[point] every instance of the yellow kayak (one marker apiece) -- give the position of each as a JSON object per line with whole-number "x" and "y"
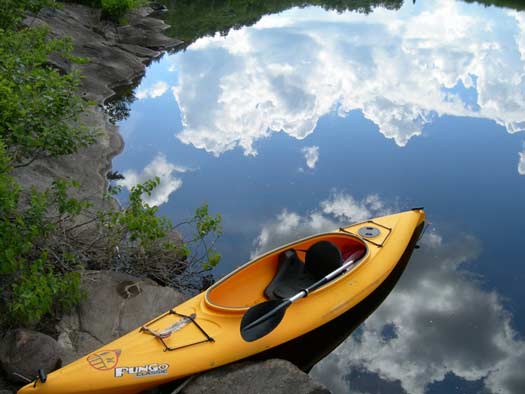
{"x": 269, "y": 301}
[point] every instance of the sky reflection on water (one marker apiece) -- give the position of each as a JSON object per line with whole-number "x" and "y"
{"x": 400, "y": 68}
{"x": 311, "y": 119}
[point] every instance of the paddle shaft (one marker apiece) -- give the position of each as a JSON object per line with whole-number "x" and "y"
{"x": 303, "y": 293}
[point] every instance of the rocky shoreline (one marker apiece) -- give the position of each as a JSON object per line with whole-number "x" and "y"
{"x": 116, "y": 303}
{"x": 117, "y": 56}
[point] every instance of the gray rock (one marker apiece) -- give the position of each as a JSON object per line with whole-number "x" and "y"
{"x": 76, "y": 345}
{"x": 158, "y": 7}
{"x": 146, "y": 33}
{"x": 268, "y": 377}
{"x": 116, "y": 55}
{"x": 137, "y": 50}
{"x": 110, "y": 62}
{"x": 151, "y": 302}
{"x": 116, "y": 303}
{"x": 88, "y": 166}
{"x": 23, "y": 352}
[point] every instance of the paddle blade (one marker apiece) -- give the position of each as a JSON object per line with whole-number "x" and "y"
{"x": 251, "y": 332}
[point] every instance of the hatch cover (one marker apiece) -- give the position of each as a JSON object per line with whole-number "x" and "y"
{"x": 369, "y": 232}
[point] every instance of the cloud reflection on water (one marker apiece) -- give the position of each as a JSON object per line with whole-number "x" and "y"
{"x": 158, "y": 167}
{"x": 444, "y": 323}
{"x": 400, "y": 69}
{"x": 521, "y": 163}
{"x": 311, "y": 155}
{"x": 154, "y": 91}
{"x": 439, "y": 318}
{"x": 290, "y": 226}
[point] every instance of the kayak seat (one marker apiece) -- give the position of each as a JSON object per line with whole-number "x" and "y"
{"x": 292, "y": 275}
{"x": 290, "y": 278}
{"x": 322, "y": 258}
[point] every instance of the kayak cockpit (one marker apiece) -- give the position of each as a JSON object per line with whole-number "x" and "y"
{"x": 283, "y": 272}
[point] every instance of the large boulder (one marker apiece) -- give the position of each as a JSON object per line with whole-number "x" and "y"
{"x": 116, "y": 303}
{"x": 145, "y": 31}
{"x": 24, "y": 352}
{"x": 268, "y": 377}
{"x": 117, "y": 54}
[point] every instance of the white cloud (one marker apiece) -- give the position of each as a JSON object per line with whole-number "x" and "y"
{"x": 520, "y": 36}
{"x": 154, "y": 91}
{"x": 311, "y": 155}
{"x": 444, "y": 322}
{"x": 346, "y": 207}
{"x": 290, "y": 69}
{"x": 160, "y": 167}
{"x": 338, "y": 209}
{"x": 521, "y": 163}
{"x": 289, "y": 226}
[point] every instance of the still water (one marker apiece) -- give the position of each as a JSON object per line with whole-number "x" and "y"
{"x": 303, "y": 119}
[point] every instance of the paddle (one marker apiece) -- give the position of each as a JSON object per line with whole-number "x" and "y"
{"x": 261, "y": 319}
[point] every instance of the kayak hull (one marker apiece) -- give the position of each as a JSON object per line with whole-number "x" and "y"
{"x": 140, "y": 360}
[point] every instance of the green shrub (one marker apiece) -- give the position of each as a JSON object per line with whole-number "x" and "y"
{"x": 39, "y": 106}
{"x": 33, "y": 283}
{"x": 140, "y": 242}
{"x": 43, "y": 248}
{"x": 39, "y": 290}
{"x": 112, "y": 9}
{"x": 12, "y": 11}
{"x": 116, "y": 9}
{"x": 136, "y": 225}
